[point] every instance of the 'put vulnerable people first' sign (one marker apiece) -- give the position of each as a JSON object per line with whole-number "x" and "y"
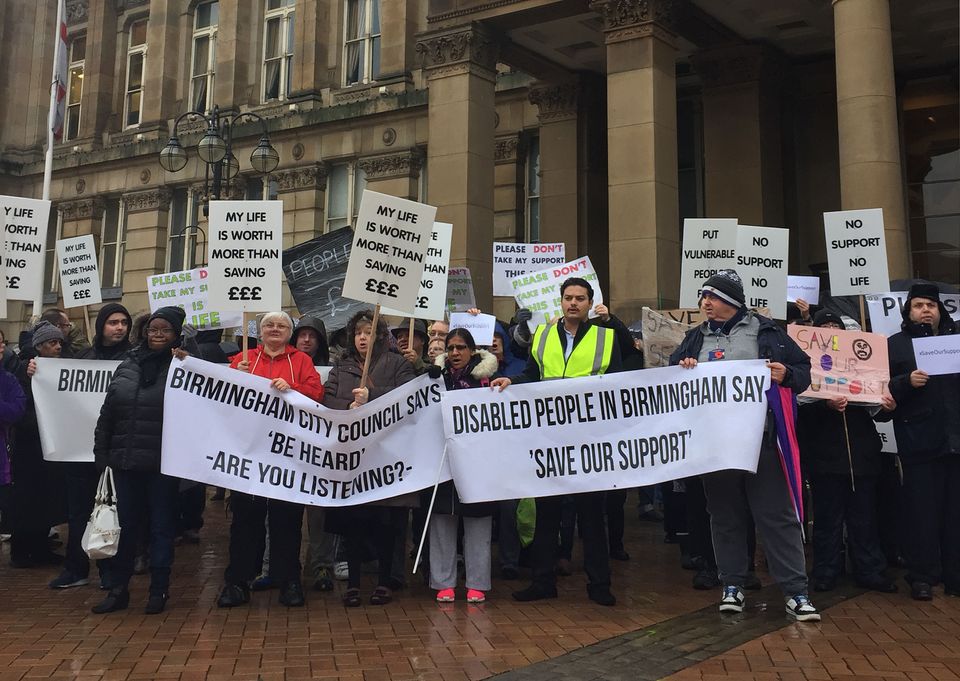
{"x": 79, "y": 274}
{"x": 709, "y": 245}
{"x": 856, "y": 252}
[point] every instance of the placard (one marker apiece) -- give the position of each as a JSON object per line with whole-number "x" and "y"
{"x": 480, "y": 326}
{"x": 388, "y": 253}
{"x": 460, "y": 296}
{"x": 856, "y": 252}
{"x": 188, "y": 290}
{"x": 510, "y": 260}
{"x": 888, "y": 437}
{"x": 938, "y": 355}
{"x": 79, "y": 274}
{"x": 243, "y": 262}
{"x": 805, "y": 288}
{"x": 851, "y": 364}
{"x": 709, "y": 245}
{"x": 884, "y": 310}
{"x": 25, "y": 241}
{"x": 432, "y": 296}
{"x": 539, "y": 292}
{"x": 762, "y": 255}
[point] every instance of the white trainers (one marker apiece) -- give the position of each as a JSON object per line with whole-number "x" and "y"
{"x": 340, "y": 571}
{"x": 733, "y": 599}
{"x": 802, "y": 609}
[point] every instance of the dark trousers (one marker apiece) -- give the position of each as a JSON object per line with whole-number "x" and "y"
{"x": 836, "y": 504}
{"x": 615, "y": 499}
{"x": 144, "y": 498}
{"x": 191, "y": 503}
{"x": 508, "y": 537}
{"x": 932, "y": 507}
{"x": 568, "y": 526}
{"x": 590, "y": 511}
{"x": 284, "y": 521}
{"x": 81, "y": 481}
{"x": 382, "y": 525}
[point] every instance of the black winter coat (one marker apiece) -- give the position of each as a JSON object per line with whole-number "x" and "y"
{"x": 823, "y": 444}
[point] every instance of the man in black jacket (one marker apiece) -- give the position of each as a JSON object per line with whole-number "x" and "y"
{"x": 927, "y": 425}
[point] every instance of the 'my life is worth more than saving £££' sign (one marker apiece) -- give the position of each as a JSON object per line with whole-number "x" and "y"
{"x": 25, "y": 237}
{"x": 79, "y": 274}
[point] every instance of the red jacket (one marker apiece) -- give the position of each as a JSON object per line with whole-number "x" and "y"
{"x": 293, "y": 366}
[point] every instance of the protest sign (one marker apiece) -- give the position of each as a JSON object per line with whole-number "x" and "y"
{"x": 851, "y": 364}
{"x": 762, "y": 255}
{"x": 243, "y": 263}
{"x": 460, "y": 296}
{"x": 709, "y": 245}
{"x": 480, "y": 326}
{"x": 235, "y": 431}
{"x": 621, "y": 430}
{"x": 432, "y": 296}
{"x": 539, "y": 291}
{"x": 805, "y": 288}
{"x": 661, "y": 336}
{"x": 187, "y": 290}
{"x": 79, "y": 274}
{"x": 938, "y": 355}
{"x": 510, "y": 260}
{"x": 888, "y": 438}
{"x": 884, "y": 310}
{"x": 68, "y": 394}
{"x": 856, "y": 252}
{"x": 388, "y": 252}
{"x": 25, "y": 242}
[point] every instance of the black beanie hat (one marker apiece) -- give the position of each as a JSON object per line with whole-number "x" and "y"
{"x": 174, "y": 315}
{"x": 826, "y": 316}
{"x": 726, "y": 285}
{"x": 923, "y": 289}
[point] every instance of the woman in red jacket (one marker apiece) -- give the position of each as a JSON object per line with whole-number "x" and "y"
{"x": 288, "y": 369}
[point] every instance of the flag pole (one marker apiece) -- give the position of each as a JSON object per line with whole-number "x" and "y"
{"x": 51, "y": 120}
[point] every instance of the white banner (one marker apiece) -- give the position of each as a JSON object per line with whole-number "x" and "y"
{"x": 246, "y": 238}
{"x": 709, "y": 245}
{"x": 510, "y": 260}
{"x": 227, "y": 428}
{"x": 188, "y": 290}
{"x": 805, "y": 288}
{"x": 432, "y": 296}
{"x": 884, "y": 310}
{"x": 616, "y": 431}
{"x": 68, "y": 394}
{"x": 79, "y": 274}
{"x": 856, "y": 252}
{"x": 762, "y": 256}
{"x": 25, "y": 241}
{"x": 539, "y": 292}
{"x": 460, "y": 296}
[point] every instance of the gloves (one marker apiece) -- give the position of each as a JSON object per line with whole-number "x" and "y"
{"x": 189, "y": 331}
{"x": 521, "y": 332}
{"x": 433, "y": 371}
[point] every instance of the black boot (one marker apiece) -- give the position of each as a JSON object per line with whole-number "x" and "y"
{"x": 233, "y": 595}
{"x": 291, "y": 594}
{"x": 155, "y": 604}
{"x": 118, "y": 598}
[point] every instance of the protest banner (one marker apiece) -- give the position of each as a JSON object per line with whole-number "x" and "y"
{"x": 79, "y": 274}
{"x": 460, "y": 296}
{"x": 480, "y": 326}
{"x": 243, "y": 262}
{"x": 856, "y": 252}
{"x": 709, "y": 245}
{"x": 805, "y": 288}
{"x": 884, "y": 310}
{"x": 938, "y": 355}
{"x": 187, "y": 290}
{"x": 762, "y": 257}
{"x": 620, "y": 430}
{"x": 233, "y": 430}
{"x": 539, "y": 291}
{"x": 510, "y": 260}
{"x": 432, "y": 296}
{"x": 851, "y": 364}
{"x": 25, "y": 241}
{"x": 68, "y": 394}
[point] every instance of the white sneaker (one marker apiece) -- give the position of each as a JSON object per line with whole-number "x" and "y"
{"x": 802, "y": 609}
{"x": 340, "y": 571}
{"x": 733, "y": 599}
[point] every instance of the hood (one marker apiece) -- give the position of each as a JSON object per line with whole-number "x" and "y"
{"x": 486, "y": 363}
{"x": 500, "y": 330}
{"x": 310, "y": 322}
{"x": 103, "y": 315}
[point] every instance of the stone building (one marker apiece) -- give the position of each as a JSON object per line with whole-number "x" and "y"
{"x": 599, "y": 123}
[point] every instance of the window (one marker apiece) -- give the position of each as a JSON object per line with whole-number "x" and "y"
{"x": 136, "y": 60}
{"x": 277, "y": 49}
{"x": 78, "y": 49}
{"x": 51, "y": 272}
{"x": 205, "y": 22}
{"x": 182, "y": 242}
{"x": 345, "y": 185}
{"x": 361, "y": 45}
{"x": 532, "y": 192}
{"x": 689, "y": 159}
{"x": 113, "y": 239}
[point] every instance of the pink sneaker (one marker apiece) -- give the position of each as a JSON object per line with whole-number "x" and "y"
{"x": 474, "y": 596}
{"x": 446, "y": 596}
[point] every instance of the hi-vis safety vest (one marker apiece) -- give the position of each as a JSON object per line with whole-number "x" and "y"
{"x": 590, "y": 357}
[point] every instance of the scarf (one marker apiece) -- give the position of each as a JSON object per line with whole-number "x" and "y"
{"x": 153, "y": 363}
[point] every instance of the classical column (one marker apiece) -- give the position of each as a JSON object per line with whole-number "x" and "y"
{"x": 461, "y": 69}
{"x": 396, "y": 174}
{"x": 238, "y": 54}
{"x": 641, "y": 154}
{"x": 310, "y": 71}
{"x": 870, "y": 173}
{"x": 99, "y": 68}
{"x": 146, "y": 216}
{"x": 167, "y": 43}
{"x": 302, "y": 191}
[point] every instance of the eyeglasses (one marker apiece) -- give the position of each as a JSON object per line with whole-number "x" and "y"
{"x": 451, "y": 348}
{"x": 153, "y": 331}
{"x": 66, "y": 327}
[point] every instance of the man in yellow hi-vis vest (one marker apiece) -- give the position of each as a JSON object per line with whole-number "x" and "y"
{"x": 569, "y": 348}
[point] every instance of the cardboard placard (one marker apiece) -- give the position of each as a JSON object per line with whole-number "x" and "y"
{"x": 510, "y": 260}
{"x": 856, "y": 252}
{"x": 460, "y": 296}
{"x": 432, "y": 296}
{"x": 188, "y": 290}
{"x": 25, "y": 241}
{"x": 480, "y": 326}
{"x": 762, "y": 257}
{"x": 709, "y": 245}
{"x": 805, "y": 288}
{"x": 79, "y": 274}
{"x": 539, "y": 291}
{"x": 851, "y": 364}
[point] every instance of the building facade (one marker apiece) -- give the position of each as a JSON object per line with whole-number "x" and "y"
{"x": 598, "y": 123}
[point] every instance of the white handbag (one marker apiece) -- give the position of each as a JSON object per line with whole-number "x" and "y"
{"x": 102, "y": 536}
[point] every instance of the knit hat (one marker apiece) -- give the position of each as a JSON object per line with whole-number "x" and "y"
{"x": 174, "y": 315}
{"x": 923, "y": 289}
{"x": 727, "y": 286}
{"x": 826, "y": 317}
{"x": 45, "y": 331}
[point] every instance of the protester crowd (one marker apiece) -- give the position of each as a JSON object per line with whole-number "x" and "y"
{"x": 870, "y": 510}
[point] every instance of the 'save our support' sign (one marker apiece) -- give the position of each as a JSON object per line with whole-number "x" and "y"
{"x": 856, "y": 252}
{"x": 79, "y": 274}
{"x": 596, "y": 433}
{"x": 851, "y": 364}
{"x": 187, "y": 289}
{"x": 709, "y": 245}
{"x": 68, "y": 394}
{"x": 432, "y": 296}
{"x": 539, "y": 292}
{"x": 460, "y": 296}
{"x": 235, "y": 431}
{"x": 762, "y": 255}
{"x": 25, "y": 238}
{"x": 243, "y": 260}
{"x": 389, "y": 248}
{"x": 884, "y": 310}
{"x": 510, "y": 260}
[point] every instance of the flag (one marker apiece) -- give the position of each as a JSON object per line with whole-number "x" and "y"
{"x": 783, "y": 404}
{"x": 60, "y": 71}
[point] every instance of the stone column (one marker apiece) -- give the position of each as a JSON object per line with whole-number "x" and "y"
{"x": 302, "y": 191}
{"x": 146, "y": 214}
{"x": 238, "y": 55}
{"x": 460, "y": 64}
{"x": 166, "y": 50}
{"x": 396, "y": 174}
{"x": 99, "y": 69}
{"x": 310, "y": 73}
{"x": 870, "y": 173}
{"x": 641, "y": 155}
{"x": 399, "y": 19}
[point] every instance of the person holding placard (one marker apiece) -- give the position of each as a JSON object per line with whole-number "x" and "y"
{"x": 927, "y": 424}
{"x": 412, "y": 350}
